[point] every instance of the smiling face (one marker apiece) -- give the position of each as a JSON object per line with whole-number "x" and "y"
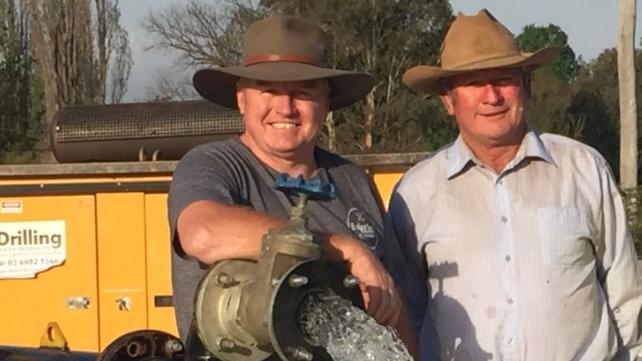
{"x": 282, "y": 119}
{"x": 489, "y": 106}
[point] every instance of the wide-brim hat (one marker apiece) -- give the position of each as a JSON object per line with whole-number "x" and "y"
{"x": 475, "y": 43}
{"x": 280, "y": 49}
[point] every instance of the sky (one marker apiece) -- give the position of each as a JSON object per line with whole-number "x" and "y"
{"x": 591, "y": 26}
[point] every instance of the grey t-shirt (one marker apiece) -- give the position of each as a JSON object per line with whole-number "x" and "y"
{"x": 227, "y": 172}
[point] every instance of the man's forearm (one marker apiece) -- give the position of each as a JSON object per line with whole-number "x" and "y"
{"x": 210, "y": 231}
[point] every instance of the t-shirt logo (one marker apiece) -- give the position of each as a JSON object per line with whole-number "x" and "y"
{"x": 360, "y": 225}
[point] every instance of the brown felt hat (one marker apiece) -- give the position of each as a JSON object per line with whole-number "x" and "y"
{"x": 474, "y": 43}
{"x": 282, "y": 48}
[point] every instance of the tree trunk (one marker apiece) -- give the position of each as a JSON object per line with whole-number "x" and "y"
{"x": 103, "y": 46}
{"x": 369, "y": 120}
{"x": 332, "y": 132}
{"x": 42, "y": 42}
{"x": 628, "y": 111}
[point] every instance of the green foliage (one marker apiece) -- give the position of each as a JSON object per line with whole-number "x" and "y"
{"x": 600, "y": 125}
{"x": 600, "y": 77}
{"x": 534, "y": 38}
{"x": 21, "y": 106}
{"x": 547, "y": 110}
{"x": 631, "y": 198}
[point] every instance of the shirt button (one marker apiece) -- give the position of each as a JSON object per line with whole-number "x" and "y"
{"x": 500, "y": 182}
{"x": 504, "y": 219}
{"x": 510, "y": 301}
{"x": 507, "y": 258}
{"x": 511, "y": 340}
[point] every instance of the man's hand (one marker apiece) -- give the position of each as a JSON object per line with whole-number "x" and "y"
{"x": 379, "y": 293}
{"x": 377, "y": 287}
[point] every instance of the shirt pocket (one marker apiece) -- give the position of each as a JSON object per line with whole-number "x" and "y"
{"x": 563, "y": 235}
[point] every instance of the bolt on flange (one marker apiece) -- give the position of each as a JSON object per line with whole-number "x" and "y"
{"x": 297, "y": 281}
{"x": 350, "y": 281}
{"x": 224, "y": 279}
{"x": 226, "y": 344}
{"x": 301, "y": 354}
{"x": 173, "y": 346}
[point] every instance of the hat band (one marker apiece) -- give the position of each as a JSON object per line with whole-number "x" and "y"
{"x": 269, "y": 58}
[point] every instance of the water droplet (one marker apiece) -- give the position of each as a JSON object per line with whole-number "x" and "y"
{"x": 347, "y": 332}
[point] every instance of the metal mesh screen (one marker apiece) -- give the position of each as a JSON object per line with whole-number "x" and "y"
{"x": 145, "y": 120}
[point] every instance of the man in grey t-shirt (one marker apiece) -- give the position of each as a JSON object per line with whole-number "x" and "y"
{"x": 222, "y": 199}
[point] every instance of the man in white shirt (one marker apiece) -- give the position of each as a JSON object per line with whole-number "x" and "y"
{"x": 517, "y": 241}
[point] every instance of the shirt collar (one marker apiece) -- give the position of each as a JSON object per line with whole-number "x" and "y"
{"x": 531, "y": 147}
{"x": 459, "y": 156}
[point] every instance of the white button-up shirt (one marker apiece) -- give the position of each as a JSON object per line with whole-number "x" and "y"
{"x": 533, "y": 263}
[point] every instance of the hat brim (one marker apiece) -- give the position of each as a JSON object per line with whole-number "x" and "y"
{"x": 218, "y": 85}
{"x": 427, "y": 79}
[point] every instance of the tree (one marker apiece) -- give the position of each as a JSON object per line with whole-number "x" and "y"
{"x": 533, "y": 38}
{"x": 599, "y": 126}
{"x": 20, "y": 92}
{"x": 203, "y": 35}
{"x": 548, "y": 105}
{"x": 112, "y": 46}
{"x": 382, "y": 37}
{"x": 75, "y": 51}
{"x": 601, "y": 77}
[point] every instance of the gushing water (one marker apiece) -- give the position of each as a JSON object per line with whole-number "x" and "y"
{"x": 347, "y": 333}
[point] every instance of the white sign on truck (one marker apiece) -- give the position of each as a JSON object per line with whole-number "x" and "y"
{"x": 27, "y": 248}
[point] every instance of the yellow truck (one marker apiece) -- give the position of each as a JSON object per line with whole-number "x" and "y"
{"x": 86, "y": 244}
